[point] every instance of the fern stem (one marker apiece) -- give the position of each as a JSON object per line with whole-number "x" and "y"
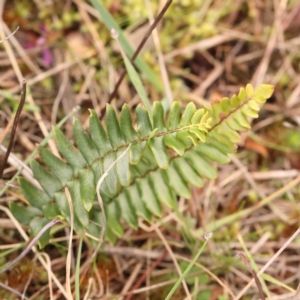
{"x": 147, "y": 138}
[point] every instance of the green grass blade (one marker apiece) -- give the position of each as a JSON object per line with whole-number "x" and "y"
{"x": 110, "y": 23}
{"x": 277, "y": 282}
{"x": 254, "y": 266}
{"x": 77, "y": 271}
{"x": 138, "y": 85}
{"x": 186, "y": 271}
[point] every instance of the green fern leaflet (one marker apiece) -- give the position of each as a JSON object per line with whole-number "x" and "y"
{"x": 163, "y": 160}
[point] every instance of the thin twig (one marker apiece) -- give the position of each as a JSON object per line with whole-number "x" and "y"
{"x": 139, "y": 48}
{"x": 30, "y": 245}
{"x": 6, "y": 287}
{"x": 26, "y": 238}
{"x": 148, "y": 271}
{"x": 245, "y": 261}
{"x": 43, "y": 143}
{"x": 160, "y": 57}
{"x": 133, "y": 276}
{"x": 11, "y": 34}
{"x": 14, "y": 127}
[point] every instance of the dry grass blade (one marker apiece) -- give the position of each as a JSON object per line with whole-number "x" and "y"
{"x": 48, "y": 261}
{"x": 148, "y": 271}
{"x": 297, "y": 294}
{"x": 131, "y": 279}
{"x": 202, "y": 52}
{"x": 68, "y": 262}
{"x": 26, "y": 238}
{"x": 101, "y": 238}
{"x": 171, "y": 253}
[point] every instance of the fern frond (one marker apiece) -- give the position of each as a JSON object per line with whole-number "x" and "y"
{"x": 164, "y": 158}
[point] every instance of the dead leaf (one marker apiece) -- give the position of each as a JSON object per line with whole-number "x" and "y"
{"x": 257, "y": 147}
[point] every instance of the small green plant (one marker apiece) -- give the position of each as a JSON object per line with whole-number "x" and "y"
{"x": 163, "y": 159}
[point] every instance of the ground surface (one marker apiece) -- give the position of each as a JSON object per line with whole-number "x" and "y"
{"x": 209, "y": 50}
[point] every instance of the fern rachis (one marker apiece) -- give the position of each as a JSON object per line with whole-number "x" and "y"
{"x": 163, "y": 160}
